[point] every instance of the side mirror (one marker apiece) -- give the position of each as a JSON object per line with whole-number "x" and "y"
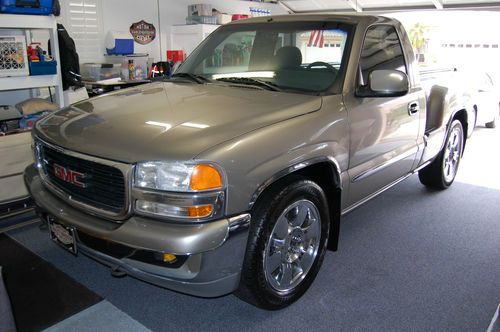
{"x": 385, "y": 83}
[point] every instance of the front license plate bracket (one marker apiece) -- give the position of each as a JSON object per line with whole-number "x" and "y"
{"x": 62, "y": 235}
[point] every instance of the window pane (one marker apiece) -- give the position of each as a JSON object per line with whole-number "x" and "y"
{"x": 231, "y": 55}
{"x": 381, "y": 50}
{"x": 280, "y": 53}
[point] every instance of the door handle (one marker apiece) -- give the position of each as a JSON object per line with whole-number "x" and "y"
{"x": 413, "y": 108}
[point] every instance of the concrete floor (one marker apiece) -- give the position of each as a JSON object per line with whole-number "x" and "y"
{"x": 411, "y": 259}
{"x": 481, "y": 163}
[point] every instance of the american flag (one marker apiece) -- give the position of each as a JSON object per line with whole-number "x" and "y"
{"x": 317, "y": 39}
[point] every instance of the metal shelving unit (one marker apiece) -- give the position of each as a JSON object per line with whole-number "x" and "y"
{"x": 34, "y": 22}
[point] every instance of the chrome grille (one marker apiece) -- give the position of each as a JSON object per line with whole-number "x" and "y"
{"x": 101, "y": 187}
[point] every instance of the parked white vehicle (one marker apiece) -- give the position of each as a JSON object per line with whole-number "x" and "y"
{"x": 485, "y": 99}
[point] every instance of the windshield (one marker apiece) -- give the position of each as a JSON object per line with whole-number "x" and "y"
{"x": 299, "y": 56}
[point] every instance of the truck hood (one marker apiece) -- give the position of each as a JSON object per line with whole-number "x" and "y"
{"x": 168, "y": 121}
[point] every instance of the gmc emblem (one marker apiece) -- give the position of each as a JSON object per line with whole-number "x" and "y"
{"x": 68, "y": 175}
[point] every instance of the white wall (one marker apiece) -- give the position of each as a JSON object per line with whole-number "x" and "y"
{"x": 120, "y": 14}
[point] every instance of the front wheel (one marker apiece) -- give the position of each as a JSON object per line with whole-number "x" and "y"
{"x": 442, "y": 171}
{"x": 286, "y": 245}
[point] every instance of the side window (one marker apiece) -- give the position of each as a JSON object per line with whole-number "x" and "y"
{"x": 381, "y": 50}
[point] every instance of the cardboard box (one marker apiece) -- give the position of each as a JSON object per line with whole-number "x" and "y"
{"x": 200, "y": 10}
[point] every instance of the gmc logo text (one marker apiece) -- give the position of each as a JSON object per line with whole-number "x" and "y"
{"x": 68, "y": 175}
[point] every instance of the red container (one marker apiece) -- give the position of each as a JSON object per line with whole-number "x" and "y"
{"x": 176, "y": 56}
{"x": 237, "y": 17}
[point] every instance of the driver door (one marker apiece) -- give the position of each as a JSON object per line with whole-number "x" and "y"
{"x": 383, "y": 129}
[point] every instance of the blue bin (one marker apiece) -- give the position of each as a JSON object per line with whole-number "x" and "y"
{"x": 122, "y": 47}
{"x": 43, "y": 68}
{"x": 29, "y": 7}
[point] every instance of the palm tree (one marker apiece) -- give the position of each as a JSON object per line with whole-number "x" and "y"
{"x": 418, "y": 39}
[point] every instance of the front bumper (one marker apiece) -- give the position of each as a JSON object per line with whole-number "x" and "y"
{"x": 213, "y": 251}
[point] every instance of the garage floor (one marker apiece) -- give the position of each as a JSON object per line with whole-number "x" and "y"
{"x": 411, "y": 259}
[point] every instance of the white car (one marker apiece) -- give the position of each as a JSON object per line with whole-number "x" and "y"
{"x": 485, "y": 98}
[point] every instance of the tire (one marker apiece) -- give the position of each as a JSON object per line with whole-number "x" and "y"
{"x": 492, "y": 124}
{"x": 286, "y": 245}
{"x": 441, "y": 172}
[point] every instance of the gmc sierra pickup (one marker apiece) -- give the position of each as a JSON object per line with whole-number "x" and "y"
{"x": 232, "y": 176}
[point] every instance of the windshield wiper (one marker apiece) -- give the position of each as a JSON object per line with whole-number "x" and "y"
{"x": 193, "y": 77}
{"x": 250, "y": 81}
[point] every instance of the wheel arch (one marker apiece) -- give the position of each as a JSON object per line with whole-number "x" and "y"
{"x": 325, "y": 172}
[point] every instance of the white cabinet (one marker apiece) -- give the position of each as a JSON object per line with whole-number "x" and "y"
{"x": 188, "y": 37}
{"x": 15, "y": 156}
{"x": 27, "y": 23}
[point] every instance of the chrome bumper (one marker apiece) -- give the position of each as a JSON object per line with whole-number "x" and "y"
{"x": 215, "y": 249}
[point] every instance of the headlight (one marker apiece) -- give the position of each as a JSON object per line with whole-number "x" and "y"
{"x": 179, "y": 190}
{"x": 178, "y": 177}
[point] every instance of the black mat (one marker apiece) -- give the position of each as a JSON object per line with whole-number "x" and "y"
{"x": 40, "y": 294}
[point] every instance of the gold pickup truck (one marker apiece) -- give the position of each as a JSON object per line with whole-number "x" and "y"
{"x": 233, "y": 175}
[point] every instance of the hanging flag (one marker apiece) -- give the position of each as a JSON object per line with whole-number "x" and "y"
{"x": 317, "y": 39}
{"x": 311, "y": 38}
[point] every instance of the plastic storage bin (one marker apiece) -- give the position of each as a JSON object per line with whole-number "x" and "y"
{"x": 13, "y": 56}
{"x": 30, "y": 7}
{"x": 9, "y": 119}
{"x": 100, "y": 71}
{"x": 201, "y": 20}
{"x": 140, "y": 61}
{"x": 237, "y": 17}
{"x": 119, "y": 43}
{"x": 43, "y": 68}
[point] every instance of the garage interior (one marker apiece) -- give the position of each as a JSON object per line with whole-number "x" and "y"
{"x": 412, "y": 258}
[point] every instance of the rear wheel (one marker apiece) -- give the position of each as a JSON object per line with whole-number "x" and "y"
{"x": 493, "y": 124}
{"x": 286, "y": 245}
{"x": 442, "y": 171}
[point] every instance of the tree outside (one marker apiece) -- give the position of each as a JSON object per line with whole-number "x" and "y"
{"x": 418, "y": 39}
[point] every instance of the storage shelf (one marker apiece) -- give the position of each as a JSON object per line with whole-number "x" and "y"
{"x": 11, "y": 21}
{"x": 27, "y": 82}
{"x": 30, "y": 22}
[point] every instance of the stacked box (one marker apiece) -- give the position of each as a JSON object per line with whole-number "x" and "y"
{"x": 200, "y": 10}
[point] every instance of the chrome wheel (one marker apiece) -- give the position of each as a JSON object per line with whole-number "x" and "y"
{"x": 293, "y": 246}
{"x": 452, "y": 154}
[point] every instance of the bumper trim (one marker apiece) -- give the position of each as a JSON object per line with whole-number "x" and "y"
{"x": 137, "y": 232}
{"x": 238, "y": 222}
{"x": 213, "y": 288}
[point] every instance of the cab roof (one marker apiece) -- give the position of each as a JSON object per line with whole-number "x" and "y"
{"x": 322, "y": 17}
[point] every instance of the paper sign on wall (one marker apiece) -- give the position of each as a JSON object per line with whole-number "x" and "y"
{"x": 143, "y": 32}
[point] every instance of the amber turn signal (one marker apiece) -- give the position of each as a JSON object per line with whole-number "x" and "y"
{"x": 200, "y": 211}
{"x": 169, "y": 258}
{"x": 205, "y": 177}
